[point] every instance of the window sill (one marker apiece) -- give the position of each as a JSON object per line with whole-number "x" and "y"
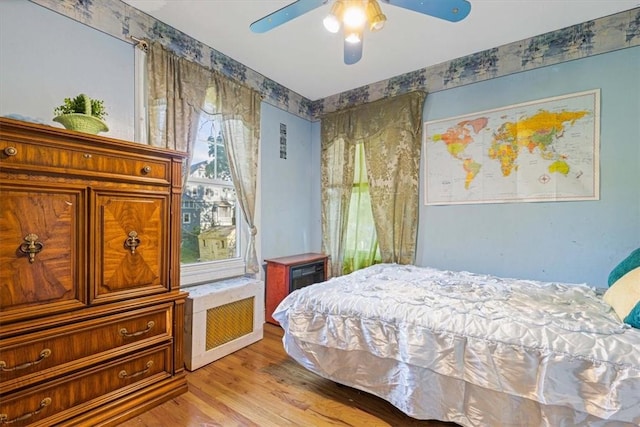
{"x": 196, "y": 274}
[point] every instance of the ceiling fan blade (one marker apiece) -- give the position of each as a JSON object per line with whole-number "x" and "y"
{"x": 449, "y": 10}
{"x": 352, "y": 52}
{"x": 285, "y": 14}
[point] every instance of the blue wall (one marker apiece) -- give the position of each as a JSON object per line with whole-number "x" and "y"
{"x": 563, "y": 241}
{"x": 290, "y": 222}
{"x": 46, "y": 57}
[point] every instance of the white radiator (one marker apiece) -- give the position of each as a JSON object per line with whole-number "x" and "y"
{"x": 221, "y": 318}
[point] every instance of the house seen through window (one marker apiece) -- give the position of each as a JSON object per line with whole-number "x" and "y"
{"x": 209, "y": 199}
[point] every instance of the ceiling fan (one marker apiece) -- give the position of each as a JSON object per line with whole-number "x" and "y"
{"x": 353, "y": 16}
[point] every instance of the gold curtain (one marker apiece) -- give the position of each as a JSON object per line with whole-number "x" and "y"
{"x": 337, "y": 164}
{"x": 391, "y": 131}
{"x": 177, "y": 90}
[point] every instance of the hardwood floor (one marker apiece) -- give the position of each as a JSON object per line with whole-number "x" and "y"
{"x": 260, "y": 385}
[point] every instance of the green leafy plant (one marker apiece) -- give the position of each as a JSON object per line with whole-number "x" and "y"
{"x": 78, "y": 105}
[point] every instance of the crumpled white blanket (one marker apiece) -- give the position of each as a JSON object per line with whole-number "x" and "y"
{"x": 553, "y": 343}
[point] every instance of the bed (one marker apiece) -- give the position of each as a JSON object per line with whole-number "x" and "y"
{"x": 473, "y": 349}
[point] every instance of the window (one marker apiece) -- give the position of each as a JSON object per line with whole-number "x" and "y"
{"x": 208, "y": 200}
{"x": 361, "y": 247}
{"x": 212, "y": 239}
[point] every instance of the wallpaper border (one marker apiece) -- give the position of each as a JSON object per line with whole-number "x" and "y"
{"x": 606, "y": 34}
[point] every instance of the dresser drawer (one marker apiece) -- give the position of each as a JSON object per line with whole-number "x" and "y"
{"x": 30, "y": 358}
{"x": 55, "y": 401}
{"x": 86, "y": 162}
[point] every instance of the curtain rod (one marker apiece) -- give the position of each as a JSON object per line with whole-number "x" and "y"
{"x": 140, "y": 43}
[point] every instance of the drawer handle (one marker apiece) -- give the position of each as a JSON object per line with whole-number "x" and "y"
{"x": 32, "y": 247}
{"x": 132, "y": 242}
{"x": 4, "y": 418}
{"x": 128, "y": 334}
{"x": 43, "y": 355}
{"x": 124, "y": 374}
{"x": 146, "y": 170}
{"x": 11, "y": 151}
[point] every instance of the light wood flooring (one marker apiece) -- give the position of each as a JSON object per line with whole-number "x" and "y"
{"x": 260, "y": 385}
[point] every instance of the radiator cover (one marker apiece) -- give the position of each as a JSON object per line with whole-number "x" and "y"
{"x": 222, "y": 317}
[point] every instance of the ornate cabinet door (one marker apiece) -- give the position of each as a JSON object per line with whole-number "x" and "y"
{"x": 132, "y": 244}
{"x": 43, "y": 249}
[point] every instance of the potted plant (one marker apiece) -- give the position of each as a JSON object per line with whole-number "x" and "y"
{"x": 82, "y": 114}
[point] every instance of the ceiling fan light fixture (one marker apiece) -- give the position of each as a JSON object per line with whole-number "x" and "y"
{"x": 354, "y": 15}
{"x": 333, "y": 20}
{"x": 375, "y": 16}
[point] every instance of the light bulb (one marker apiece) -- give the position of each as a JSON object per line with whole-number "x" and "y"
{"x": 331, "y": 23}
{"x": 354, "y": 16}
{"x": 375, "y": 16}
{"x": 353, "y": 36}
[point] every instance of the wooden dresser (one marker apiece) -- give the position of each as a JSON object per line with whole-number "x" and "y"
{"x": 91, "y": 315}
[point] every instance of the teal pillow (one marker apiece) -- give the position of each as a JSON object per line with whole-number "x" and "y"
{"x": 629, "y": 263}
{"x": 633, "y": 318}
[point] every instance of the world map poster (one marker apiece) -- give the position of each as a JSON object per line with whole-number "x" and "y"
{"x": 544, "y": 150}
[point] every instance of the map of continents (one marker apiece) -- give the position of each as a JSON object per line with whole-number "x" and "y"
{"x": 545, "y": 150}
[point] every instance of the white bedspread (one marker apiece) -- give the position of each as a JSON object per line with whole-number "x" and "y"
{"x": 526, "y": 346}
